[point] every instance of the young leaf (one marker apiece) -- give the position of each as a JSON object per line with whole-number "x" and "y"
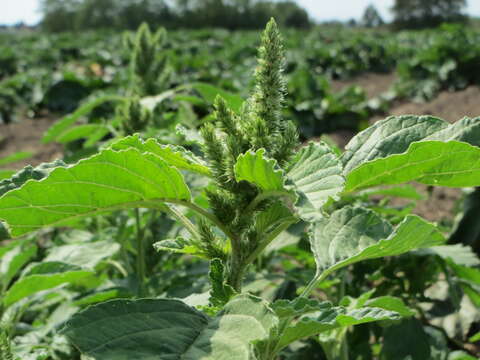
{"x": 22, "y": 155}
{"x": 255, "y": 168}
{"x": 63, "y": 124}
{"x": 173, "y": 155}
{"x": 221, "y": 293}
{"x": 43, "y": 276}
{"x": 87, "y": 255}
{"x": 107, "y": 181}
{"x": 179, "y": 245}
{"x": 453, "y": 163}
{"x": 151, "y": 329}
{"x": 210, "y": 93}
{"x": 316, "y": 175}
{"x": 81, "y": 132}
{"x": 353, "y": 234}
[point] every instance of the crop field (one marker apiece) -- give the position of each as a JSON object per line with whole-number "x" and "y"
{"x": 248, "y": 195}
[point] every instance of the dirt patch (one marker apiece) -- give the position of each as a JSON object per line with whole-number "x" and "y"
{"x": 26, "y": 136}
{"x": 374, "y": 84}
{"x": 450, "y": 106}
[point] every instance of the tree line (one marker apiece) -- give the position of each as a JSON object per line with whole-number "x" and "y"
{"x": 75, "y": 15}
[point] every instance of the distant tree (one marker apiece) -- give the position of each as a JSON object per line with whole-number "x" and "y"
{"x": 427, "y": 13}
{"x": 60, "y": 15}
{"x": 371, "y": 17}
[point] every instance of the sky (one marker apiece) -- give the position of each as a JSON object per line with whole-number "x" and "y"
{"x": 14, "y": 11}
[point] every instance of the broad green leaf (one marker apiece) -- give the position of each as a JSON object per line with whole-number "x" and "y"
{"x": 175, "y": 156}
{"x": 331, "y": 319}
{"x": 404, "y": 191}
{"x": 86, "y": 255}
{"x": 255, "y": 168}
{"x": 107, "y": 181}
{"x": 387, "y": 137}
{"x": 390, "y": 303}
{"x": 458, "y": 253}
{"x": 43, "y": 276}
{"x": 353, "y": 234}
{"x": 453, "y": 163}
{"x": 63, "y": 124}
{"x": 152, "y": 329}
{"x": 81, "y": 132}
{"x": 14, "y": 260}
{"x": 22, "y": 155}
{"x": 27, "y": 173}
{"x": 409, "y": 340}
{"x": 316, "y": 176}
{"x": 210, "y": 92}
{"x": 103, "y": 295}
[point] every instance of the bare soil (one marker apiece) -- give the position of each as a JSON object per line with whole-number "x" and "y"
{"x": 26, "y": 135}
{"x": 374, "y": 84}
{"x": 450, "y": 106}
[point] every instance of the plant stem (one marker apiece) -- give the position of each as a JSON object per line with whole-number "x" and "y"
{"x": 185, "y": 221}
{"x": 268, "y": 239}
{"x": 140, "y": 255}
{"x": 207, "y": 215}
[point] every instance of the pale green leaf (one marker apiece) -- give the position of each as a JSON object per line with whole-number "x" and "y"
{"x": 86, "y": 255}
{"x": 356, "y": 234}
{"x": 453, "y": 163}
{"x": 387, "y": 137}
{"x": 256, "y": 168}
{"x": 173, "y": 155}
{"x": 298, "y": 307}
{"x": 14, "y": 260}
{"x": 152, "y": 329}
{"x": 179, "y": 245}
{"x": 107, "y": 181}
{"x": 316, "y": 176}
{"x": 331, "y": 319}
{"x": 465, "y": 130}
{"x": 43, "y": 276}
{"x": 458, "y": 253}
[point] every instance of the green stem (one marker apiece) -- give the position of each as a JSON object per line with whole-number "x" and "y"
{"x": 207, "y": 215}
{"x": 265, "y": 195}
{"x": 268, "y": 239}
{"x": 140, "y": 255}
{"x": 185, "y": 221}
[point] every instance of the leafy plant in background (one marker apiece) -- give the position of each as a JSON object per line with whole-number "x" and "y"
{"x": 260, "y": 184}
